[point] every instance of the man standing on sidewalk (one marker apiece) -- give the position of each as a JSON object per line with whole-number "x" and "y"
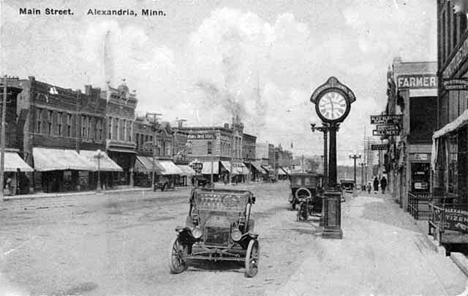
{"x": 383, "y": 184}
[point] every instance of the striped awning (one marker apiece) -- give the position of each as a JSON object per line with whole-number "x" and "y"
{"x": 47, "y": 159}
{"x": 170, "y": 168}
{"x": 13, "y": 163}
{"x": 144, "y": 164}
{"x": 105, "y": 163}
{"x": 187, "y": 170}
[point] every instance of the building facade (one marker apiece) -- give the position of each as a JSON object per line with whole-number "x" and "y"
{"x": 450, "y": 146}
{"x": 412, "y": 94}
{"x": 120, "y": 144}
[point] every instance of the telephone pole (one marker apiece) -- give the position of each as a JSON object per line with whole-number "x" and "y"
{"x": 2, "y": 139}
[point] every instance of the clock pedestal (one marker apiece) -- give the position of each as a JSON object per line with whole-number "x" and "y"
{"x": 332, "y": 196}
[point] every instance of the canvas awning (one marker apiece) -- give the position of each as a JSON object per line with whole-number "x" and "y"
{"x": 170, "y": 168}
{"x": 281, "y": 172}
{"x": 13, "y": 162}
{"x": 226, "y": 165}
{"x": 207, "y": 167}
{"x": 144, "y": 164}
{"x": 105, "y": 163}
{"x": 258, "y": 167}
{"x": 187, "y": 170}
{"x": 448, "y": 128}
{"x": 47, "y": 159}
{"x": 241, "y": 169}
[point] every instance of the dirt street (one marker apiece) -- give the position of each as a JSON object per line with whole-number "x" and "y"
{"x": 118, "y": 244}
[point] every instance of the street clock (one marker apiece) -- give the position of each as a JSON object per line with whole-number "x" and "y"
{"x": 332, "y": 101}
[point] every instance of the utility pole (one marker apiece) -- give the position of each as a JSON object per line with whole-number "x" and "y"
{"x": 2, "y": 161}
{"x": 354, "y": 157}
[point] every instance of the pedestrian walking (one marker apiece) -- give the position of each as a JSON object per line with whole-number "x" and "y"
{"x": 383, "y": 184}
{"x": 369, "y": 187}
{"x": 376, "y": 185}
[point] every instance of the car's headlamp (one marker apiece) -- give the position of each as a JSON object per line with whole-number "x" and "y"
{"x": 197, "y": 232}
{"x": 236, "y": 235}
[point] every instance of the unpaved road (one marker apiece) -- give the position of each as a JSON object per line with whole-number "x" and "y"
{"x": 118, "y": 244}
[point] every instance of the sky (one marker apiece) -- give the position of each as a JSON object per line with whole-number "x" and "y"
{"x": 204, "y": 61}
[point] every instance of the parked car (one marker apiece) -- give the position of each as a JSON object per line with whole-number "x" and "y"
{"x": 347, "y": 185}
{"x": 218, "y": 228}
{"x": 306, "y": 186}
{"x": 162, "y": 183}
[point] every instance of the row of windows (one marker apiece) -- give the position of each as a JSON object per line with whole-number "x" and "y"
{"x": 54, "y": 123}
{"x": 141, "y": 139}
{"x": 120, "y": 129}
{"x": 452, "y": 26}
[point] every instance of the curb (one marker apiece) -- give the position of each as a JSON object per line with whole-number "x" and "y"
{"x": 58, "y": 195}
{"x": 461, "y": 261}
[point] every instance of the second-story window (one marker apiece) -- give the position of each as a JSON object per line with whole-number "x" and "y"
{"x": 69, "y": 121}
{"x": 39, "y": 121}
{"x": 83, "y": 127}
{"x": 59, "y": 124}
{"x": 209, "y": 147}
{"x": 49, "y": 122}
{"x": 110, "y": 128}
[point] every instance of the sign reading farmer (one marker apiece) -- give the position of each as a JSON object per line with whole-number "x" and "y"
{"x": 201, "y": 137}
{"x": 456, "y": 219}
{"x": 417, "y": 81}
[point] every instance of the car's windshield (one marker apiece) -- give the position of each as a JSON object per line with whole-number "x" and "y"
{"x": 221, "y": 201}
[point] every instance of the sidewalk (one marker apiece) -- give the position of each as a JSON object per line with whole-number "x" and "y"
{"x": 383, "y": 252}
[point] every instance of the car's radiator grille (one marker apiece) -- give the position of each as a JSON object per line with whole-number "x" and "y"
{"x": 216, "y": 236}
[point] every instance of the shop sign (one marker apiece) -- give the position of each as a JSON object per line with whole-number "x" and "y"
{"x": 456, "y": 219}
{"x": 201, "y": 137}
{"x": 417, "y": 81}
{"x": 419, "y": 156}
{"x": 386, "y": 119}
{"x": 457, "y": 60}
{"x": 456, "y": 84}
{"x": 387, "y": 127}
{"x": 385, "y": 133}
{"x": 379, "y": 146}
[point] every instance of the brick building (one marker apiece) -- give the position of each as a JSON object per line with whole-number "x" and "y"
{"x": 120, "y": 144}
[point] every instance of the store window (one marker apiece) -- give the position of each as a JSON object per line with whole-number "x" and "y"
{"x": 420, "y": 177}
{"x": 209, "y": 147}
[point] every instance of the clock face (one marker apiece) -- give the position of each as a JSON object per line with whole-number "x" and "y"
{"x": 332, "y": 106}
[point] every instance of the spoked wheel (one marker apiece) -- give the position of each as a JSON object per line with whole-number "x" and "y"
{"x": 252, "y": 258}
{"x": 178, "y": 256}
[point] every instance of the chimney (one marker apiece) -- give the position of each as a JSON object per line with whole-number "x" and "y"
{"x": 88, "y": 89}
{"x": 226, "y": 125}
{"x": 180, "y": 123}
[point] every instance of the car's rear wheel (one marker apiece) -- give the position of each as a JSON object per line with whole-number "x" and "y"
{"x": 252, "y": 258}
{"x": 178, "y": 256}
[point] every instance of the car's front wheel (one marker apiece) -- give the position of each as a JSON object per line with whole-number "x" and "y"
{"x": 178, "y": 256}
{"x": 252, "y": 258}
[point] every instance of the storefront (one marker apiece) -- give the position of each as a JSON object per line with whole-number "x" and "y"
{"x": 100, "y": 164}
{"x": 15, "y": 178}
{"x": 59, "y": 170}
{"x": 450, "y": 158}
{"x": 144, "y": 168}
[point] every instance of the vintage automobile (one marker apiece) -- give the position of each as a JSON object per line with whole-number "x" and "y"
{"x": 162, "y": 183}
{"x": 306, "y": 187}
{"x": 218, "y": 228}
{"x": 347, "y": 185}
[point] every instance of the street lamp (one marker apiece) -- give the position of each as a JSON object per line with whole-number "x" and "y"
{"x": 98, "y": 156}
{"x": 354, "y": 157}
{"x": 324, "y": 129}
{"x": 363, "y": 181}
